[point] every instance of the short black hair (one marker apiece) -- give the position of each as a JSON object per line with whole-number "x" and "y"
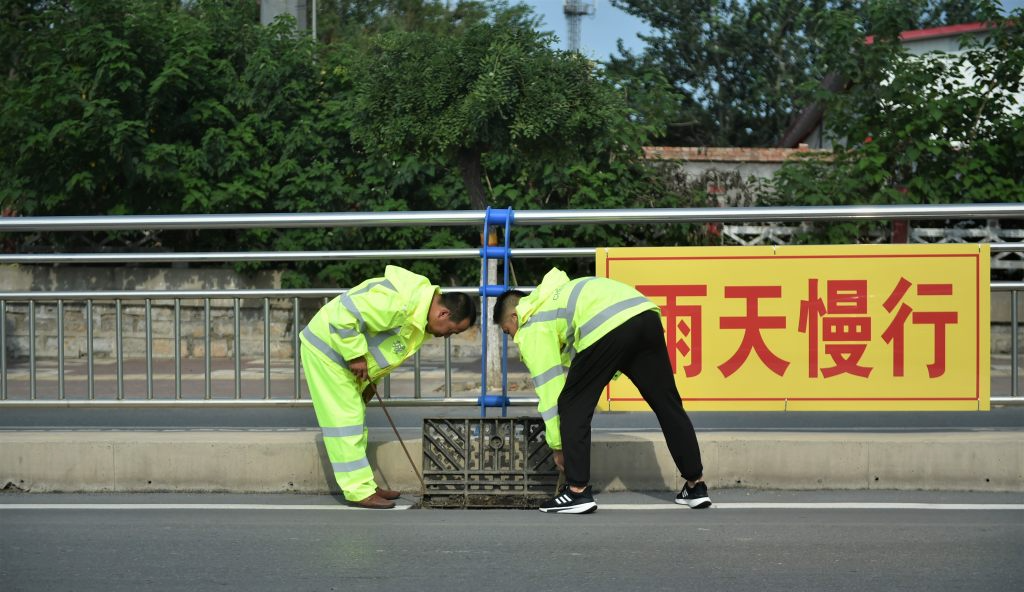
{"x": 508, "y": 298}
{"x": 460, "y": 305}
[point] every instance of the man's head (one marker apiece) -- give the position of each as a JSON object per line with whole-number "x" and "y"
{"x": 505, "y": 312}
{"x": 450, "y": 314}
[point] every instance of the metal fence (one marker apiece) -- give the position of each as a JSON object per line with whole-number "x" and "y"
{"x": 292, "y": 394}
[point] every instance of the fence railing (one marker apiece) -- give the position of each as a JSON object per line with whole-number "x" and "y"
{"x": 292, "y": 395}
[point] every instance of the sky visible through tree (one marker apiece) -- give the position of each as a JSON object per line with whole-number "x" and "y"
{"x": 601, "y": 30}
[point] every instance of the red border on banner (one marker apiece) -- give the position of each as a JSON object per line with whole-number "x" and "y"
{"x": 977, "y": 327}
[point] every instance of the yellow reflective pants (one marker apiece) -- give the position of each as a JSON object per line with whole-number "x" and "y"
{"x": 341, "y": 413}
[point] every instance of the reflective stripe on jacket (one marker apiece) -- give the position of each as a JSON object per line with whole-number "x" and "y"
{"x": 383, "y": 319}
{"x": 562, "y": 318}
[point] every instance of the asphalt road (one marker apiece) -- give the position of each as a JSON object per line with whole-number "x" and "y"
{"x": 314, "y": 543}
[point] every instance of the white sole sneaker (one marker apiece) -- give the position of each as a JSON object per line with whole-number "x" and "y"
{"x": 698, "y": 503}
{"x": 584, "y": 508}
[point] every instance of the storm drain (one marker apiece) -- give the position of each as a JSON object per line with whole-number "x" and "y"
{"x": 500, "y": 462}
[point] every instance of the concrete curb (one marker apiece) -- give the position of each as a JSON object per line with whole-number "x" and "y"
{"x": 279, "y": 461}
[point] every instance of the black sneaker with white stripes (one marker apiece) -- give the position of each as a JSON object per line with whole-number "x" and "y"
{"x": 570, "y": 502}
{"x": 695, "y": 497}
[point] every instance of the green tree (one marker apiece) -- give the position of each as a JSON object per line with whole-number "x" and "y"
{"x": 115, "y": 105}
{"x": 739, "y": 67}
{"x": 914, "y": 129}
{"x": 142, "y": 107}
{"x": 494, "y": 87}
{"x": 521, "y": 124}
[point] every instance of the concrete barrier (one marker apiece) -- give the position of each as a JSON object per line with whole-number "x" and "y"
{"x": 280, "y": 461}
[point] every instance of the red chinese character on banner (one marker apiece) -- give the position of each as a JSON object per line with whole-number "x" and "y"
{"x": 894, "y": 333}
{"x": 687, "y": 326}
{"x": 752, "y": 325}
{"x": 845, "y": 297}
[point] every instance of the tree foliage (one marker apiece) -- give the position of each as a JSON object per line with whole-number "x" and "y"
{"x": 938, "y": 128}
{"x": 740, "y": 67}
{"x": 143, "y": 107}
{"x": 492, "y": 87}
{"x": 162, "y": 106}
{"x": 521, "y": 124}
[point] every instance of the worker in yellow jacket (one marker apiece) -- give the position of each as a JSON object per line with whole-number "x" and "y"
{"x": 574, "y": 336}
{"x": 354, "y": 341}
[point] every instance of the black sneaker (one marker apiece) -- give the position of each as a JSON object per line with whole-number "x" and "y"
{"x": 570, "y": 502}
{"x": 695, "y": 497}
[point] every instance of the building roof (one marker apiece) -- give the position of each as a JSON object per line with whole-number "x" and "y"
{"x": 938, "y": 32}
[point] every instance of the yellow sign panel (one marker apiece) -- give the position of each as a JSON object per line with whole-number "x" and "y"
{"x": 801, "y": 328}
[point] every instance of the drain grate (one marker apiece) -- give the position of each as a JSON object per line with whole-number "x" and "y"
{"x": 500, "y": 462}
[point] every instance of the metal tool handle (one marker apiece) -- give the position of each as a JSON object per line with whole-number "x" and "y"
{"x": 423, "y": 486}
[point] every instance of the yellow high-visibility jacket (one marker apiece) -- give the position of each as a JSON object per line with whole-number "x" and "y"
{"x": 562, "y": 318}
{"x": 383, "y": 319}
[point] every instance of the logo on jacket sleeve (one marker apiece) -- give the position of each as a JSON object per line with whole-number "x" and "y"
{"x": 399, "y": 348}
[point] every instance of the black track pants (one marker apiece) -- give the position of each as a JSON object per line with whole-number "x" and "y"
{"x": 637, "y": 349}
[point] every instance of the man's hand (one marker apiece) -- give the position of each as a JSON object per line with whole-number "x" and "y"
{"x": 368, "y": 392}
{"x": 357, "y": 366}
{"x": 559, "y": 459}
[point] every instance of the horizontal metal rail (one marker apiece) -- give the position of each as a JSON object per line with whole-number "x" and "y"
{"x": 771, "y": 214}
{"x": 240, "y": 221}
{"x": 523, "y": 217}
{"x": 293, "y": 403}
{"x": 189, "y": 294}
{"x": 1006, "y": 286}
{"x": 273, "y": 294}
{"x": 279, "y": 256}
{"x": 243, "y": 403}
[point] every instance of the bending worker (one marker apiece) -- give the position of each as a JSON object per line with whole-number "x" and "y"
{"x": 575, "y": 336}
{"x": 352, "y": 342}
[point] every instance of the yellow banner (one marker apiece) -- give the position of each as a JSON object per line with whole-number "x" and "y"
{"x": 802, "y": 328}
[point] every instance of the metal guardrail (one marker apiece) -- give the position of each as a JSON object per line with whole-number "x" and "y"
{"x": 275, "y": 256}
{"x": 523, "y": 218}
{"x": 176, "y": 296}
{"x": 395, "y": 219}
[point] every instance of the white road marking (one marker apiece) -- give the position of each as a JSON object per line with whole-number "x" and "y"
{"x": 632, "y": 507}
{"x": 819, "y": 506}
{"x": 186, "y": 507}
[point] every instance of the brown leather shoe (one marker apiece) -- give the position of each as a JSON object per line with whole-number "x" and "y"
{"x": 376, "y": 502}
{"x": 388, "y": 494}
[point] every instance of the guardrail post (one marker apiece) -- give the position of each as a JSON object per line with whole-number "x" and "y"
{"x": 488, "y": 290}
{"x": 3, "y": 350}
{"x": 1014, "y": 347}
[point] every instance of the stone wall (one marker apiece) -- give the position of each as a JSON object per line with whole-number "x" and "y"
{"x": 731, "y": 177}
